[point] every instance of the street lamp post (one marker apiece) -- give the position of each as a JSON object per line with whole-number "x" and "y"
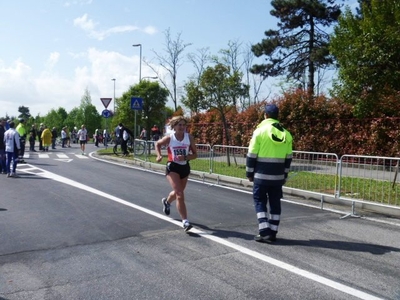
{"x": 140, "y": 79}
{"x": 114, "y": 95}
{"x": 140, "y": 63}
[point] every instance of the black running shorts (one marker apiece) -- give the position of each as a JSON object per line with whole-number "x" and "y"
{"x": 182, "y": 170}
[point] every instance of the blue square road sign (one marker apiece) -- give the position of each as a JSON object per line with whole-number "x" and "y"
{"x": 136, "y": 103}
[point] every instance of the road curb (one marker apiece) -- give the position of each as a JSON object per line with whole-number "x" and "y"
{"x": 348, "y": 207}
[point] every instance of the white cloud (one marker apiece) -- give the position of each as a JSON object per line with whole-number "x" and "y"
{"x": 52, "y": 60}
{"x": 45, "y": 89}
{"x": 77, "y": 55}
{"x": 150, "y": 30}
{"x": 89, "y": 26}
{"x": 77, "y": 2}
{"x": 84, "y": 23}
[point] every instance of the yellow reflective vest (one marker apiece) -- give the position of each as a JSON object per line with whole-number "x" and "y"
{"x": 269, "y": 154}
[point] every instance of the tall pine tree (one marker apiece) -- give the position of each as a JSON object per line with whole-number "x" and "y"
{"x": 301, "y": 45}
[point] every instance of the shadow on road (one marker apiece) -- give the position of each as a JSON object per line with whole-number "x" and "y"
{"x": 338, "y": 245}
{"x": 224, "y": 233}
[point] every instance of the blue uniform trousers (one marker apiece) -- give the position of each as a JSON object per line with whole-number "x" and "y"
{"x": 262, "y": 196}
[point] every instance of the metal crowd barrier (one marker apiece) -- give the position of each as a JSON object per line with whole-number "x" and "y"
{"x": 358, "y": 180}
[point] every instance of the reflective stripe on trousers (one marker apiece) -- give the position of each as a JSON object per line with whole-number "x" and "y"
{"x": 262, "y": 196}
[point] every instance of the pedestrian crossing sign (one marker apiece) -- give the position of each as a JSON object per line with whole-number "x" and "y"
{"x": 136, "y": 103}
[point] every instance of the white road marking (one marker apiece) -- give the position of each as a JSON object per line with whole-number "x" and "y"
{"x": 62, "y": 155}
{"x": 280, "y": 264}
{"x": 64, "y": 159}
{"x": 41, "y": 155}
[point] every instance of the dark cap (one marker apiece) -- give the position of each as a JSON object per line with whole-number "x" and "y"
{"x": 272, "y": 110}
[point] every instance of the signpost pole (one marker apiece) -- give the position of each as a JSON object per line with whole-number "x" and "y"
{"x": 134, "y": 131}
{"x": 105, "y": 113}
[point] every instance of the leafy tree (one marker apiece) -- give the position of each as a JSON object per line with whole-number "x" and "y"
{"x": 72, "y": 119}
{"x": 56, "y": 118}
{"x": 24, "y": 113}
{"x": 300, "y": 45}
{"x": 367, "y": 49}
{"x": 154, "y": 99}
{"x": 361, "y": 4}
{"x": 218, "y": 90}
{"x": 88, "y": 114}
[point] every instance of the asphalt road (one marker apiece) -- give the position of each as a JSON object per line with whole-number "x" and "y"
{"x": 75, "y": 227}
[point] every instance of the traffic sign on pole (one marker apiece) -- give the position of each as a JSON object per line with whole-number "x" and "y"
{"x": 136, "y": 103}
{"x": 106, "y": 113}
{"x": 106, "y": 101}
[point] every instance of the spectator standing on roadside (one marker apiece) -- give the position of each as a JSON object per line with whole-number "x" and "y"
{"x": 63, "y": 137}
{"x": 46, "y": 138}
{"x": 117, "y": 132}
{"x": 105, "y": 137}
{"x": 267, "y": 166}
{"x": 39, "y": 133}
{"x": 155, "y": 132}
{"x": 68, "y": 138}
{"x": 96, "y": 137}
{"x": 74, "y": 135}
{"x": 33, "y": 133}
{"x": 31, "y": 140}
{"x": 181, "y": 148}
{"x": 82, "y": 136}
{"x": 23, "y": 134}
{"x": 143, "y": 134}
{"x": 12, "y": 143}
{"x": 124, "y": 133}
{"x": 53, "y": 138}
{"x": 3, "y": 168}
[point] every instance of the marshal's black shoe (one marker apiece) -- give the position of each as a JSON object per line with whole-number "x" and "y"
{"x": 265, "y": 239}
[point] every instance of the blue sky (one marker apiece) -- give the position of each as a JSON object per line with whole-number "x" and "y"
{"x": 52, "y": 50}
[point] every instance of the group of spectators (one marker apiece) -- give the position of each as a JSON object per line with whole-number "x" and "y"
{"x": 47, "y": 137}
{"x": 122, "y": 136}
{"x": 101, "y": 137}
{"x": 13, "y": 140}
{"x": 155, "y": 134}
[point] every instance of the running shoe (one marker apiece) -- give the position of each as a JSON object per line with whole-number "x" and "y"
{"x": 187, "y": 226}
{"x": 166, "y": 206}
{"x": 265, "y": 239}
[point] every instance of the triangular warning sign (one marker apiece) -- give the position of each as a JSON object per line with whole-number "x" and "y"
{"x": 136, "y": 104}
{"x": 106, "y": 101}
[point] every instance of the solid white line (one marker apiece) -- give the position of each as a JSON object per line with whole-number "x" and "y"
{"x": 248, "y": 192}
{"x": 280, "y": 264}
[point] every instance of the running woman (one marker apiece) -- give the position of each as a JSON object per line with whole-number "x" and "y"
{"x": 181, "y": 148}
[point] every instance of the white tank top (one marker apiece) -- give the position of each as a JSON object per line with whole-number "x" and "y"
{"x": 176, "y": 148}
